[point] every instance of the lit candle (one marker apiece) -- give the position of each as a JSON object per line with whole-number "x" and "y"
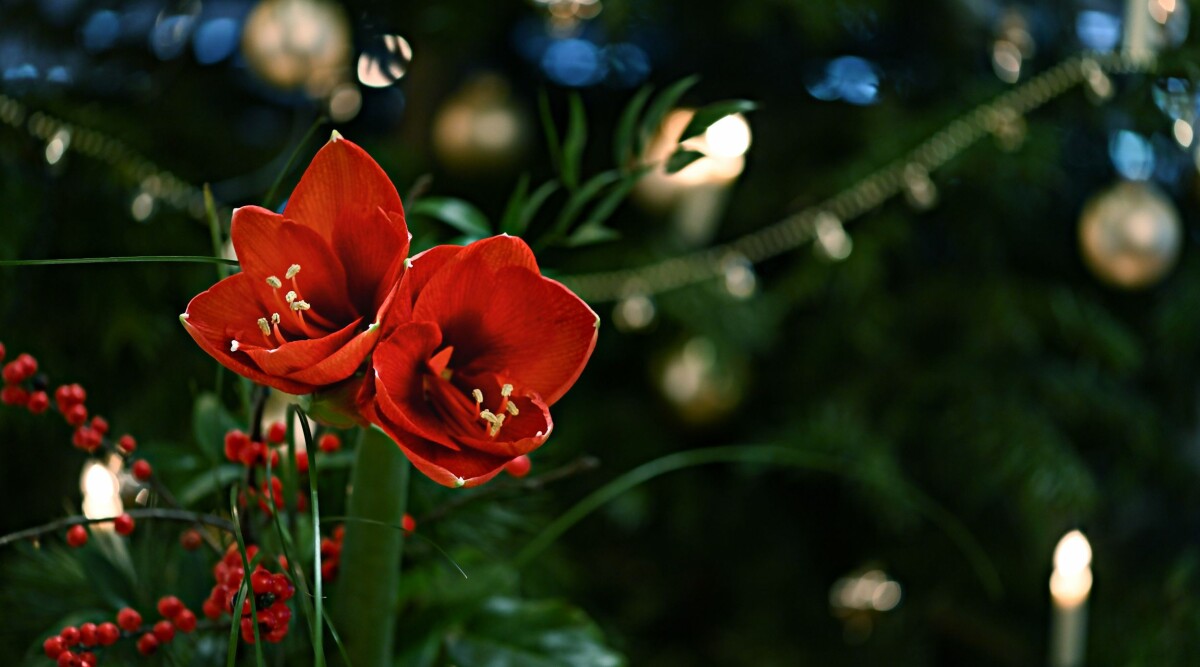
{"x": 1070, "y": 584}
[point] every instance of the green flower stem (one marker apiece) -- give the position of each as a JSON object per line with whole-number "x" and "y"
{"x": 364, "y": 606}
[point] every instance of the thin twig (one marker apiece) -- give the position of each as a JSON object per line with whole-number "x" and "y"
{"x": 578, "y": 466}
{"x": 184, "y": 516}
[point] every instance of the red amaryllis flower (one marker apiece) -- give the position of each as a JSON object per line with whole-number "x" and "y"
{"x": 482, "y": 346}
{"x": 304, "y": 312}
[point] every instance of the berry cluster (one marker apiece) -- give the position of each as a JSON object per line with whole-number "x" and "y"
{"x": 331, "y": 548}
{"x": 25, "y": 387}
{"x": 271, "y": 593}
{"x": 72, "y": 647}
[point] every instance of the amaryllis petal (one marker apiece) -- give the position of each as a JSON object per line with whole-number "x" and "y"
{"x": 342, "y": 363}
{"x": 373, "y": 256}
{"x": 292, "y": 357}
{"x": 414, "y": 279}
{"x": 285, "y": 257}
{"x": 342, "y": 187}
{"x": 401, "y": 365}
{"x": 512, "y": 320}
{"x": 444, "y": 466}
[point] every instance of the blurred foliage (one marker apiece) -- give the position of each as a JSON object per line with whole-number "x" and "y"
{"x": 964, "y": 351}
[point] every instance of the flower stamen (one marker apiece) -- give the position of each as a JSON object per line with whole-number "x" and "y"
{"x": 292, "y": 271}
{"x": 494, "y": 421}
{"x": 274, "y": 282}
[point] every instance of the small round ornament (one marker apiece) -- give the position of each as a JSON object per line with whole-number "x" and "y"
{"x": 1130, "y": 235}
{"x": 298, "y": 43}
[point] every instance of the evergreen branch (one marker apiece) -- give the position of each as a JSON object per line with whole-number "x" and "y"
{"x": 183, "y": 516}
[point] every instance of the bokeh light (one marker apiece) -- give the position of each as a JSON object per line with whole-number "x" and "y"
{"x": 851, "y": 79}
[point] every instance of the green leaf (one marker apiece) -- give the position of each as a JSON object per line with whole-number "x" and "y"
{"x": 318, "y": 636}
{"x": 214, "y": 227}
{"x": 550, "y": 128}
{"x": 589, "y": 233}
{"x": 680, "y": 159}
{"x": 713, "y": 113}
{"x": 457, "y": 213}
{"x": 662, "y": 104}
{"x": 210, "y": 482}
{"x": 626, "y": 143}
{"x": 511, "y": 222}
{"x": 517, "y": 633}
{"x": 166, "y": 259}
{"x": 578, "y": 200}
{"x": 574, "y": 143}
{"x": 536, "y": 200}
{"x": 608, "y": 205}
{"x": 210, "y": 422}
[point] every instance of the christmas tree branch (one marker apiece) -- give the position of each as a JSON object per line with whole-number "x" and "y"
{"x": 58, "y": 526}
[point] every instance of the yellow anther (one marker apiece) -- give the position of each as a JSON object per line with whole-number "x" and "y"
{"x": 290, "y": 297}
{"x": 292, "y": 271}
{"x": 506, "y": 390}
{"x": 233, "y": 346}
{"x": 274, "y": 282}
{"x": 512, "y": 409}
{"x": 478, "y": 395}
{"x": 488, "y": 416}
{"x": 274, "y": 318}
{"x": 263, "y": 326}
{"x": 494, "y": 421}
{"x": 300, "y": 305}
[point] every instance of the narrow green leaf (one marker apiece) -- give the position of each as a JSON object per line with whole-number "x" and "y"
{"x": 662, "y": 104}
{"x": 590, "y": 233}
{"x": 551, "y": 130}
{"x": 315, "y": 508}
{"x": 269, "y": 200}
{"x": 680, "y": 159}
{"x": 609, "y": 203}
{"x": 214, "y": 227}
{"x": 247, "y": 568}
{"x": 578, "y": 200}
{"x": 536, "y": 200}
{"x": 235, "y": 628}
{"x": 713, "y": 113}
{"x": 511, "y": 222}
{"x": 176, "y": 259}
{"x": 337, "y": 639}
{"x": 456, "y": 213}
{"x": 627, "y": 145}
{"x": 761, "y": 454}
{"x": 574, "y": 143}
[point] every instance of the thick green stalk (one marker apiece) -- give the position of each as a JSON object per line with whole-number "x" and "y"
{"x": 369, "y": 574}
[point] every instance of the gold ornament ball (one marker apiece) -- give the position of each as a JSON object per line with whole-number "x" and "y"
{"x": 1130, "y": 235}
{"x": 480, "y": 128}
{"x": 298, "y": 43}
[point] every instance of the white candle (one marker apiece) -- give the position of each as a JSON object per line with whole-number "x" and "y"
{"x": 1070, "y": 584}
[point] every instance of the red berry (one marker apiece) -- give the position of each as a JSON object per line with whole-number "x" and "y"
{"x": 124, "y": 524}
{"x": 129, "y": 619}
{"x": 100, "y": 425}
{"x": 518, "y": 467}
{"x": 235, "y": 441}
{"x": 107, "y": 634}
{"x": 190, "y": 539}
{"x": 87, "y": 634}
{"x": 408, "y": 523}
{"x": 339, "y": 533}
{"x": 147, "y": 644}
{"x": 14, "y": 395}
{"x": 277, "y": 433}
{"x": 68, "y": 395}
{"x": 277, "y": 635}
{"x": 142, "y": 470}
{"x": 261, "y": 582}
{"x": 247, "y": 630}
{"x": 54, "y": 647}
{"x": 76, "y": 415}
{"x": 127, "y": 444}
{"x": 170, "y": 606}
{"x": 185, "y": 620}
{"x": 87, "y": 439}
{"x": 164, "y": 631}
{"x": 212, "y": 609}
{"x": 77, "y": 536}
{"x": 67, "y": 659}
{"x": 302, "y": 462}
{"x": 28, "y": 365}
{"x": 2, "y": 351}
{"x": 330, "y": 443}
{"x": 70, "y": 635}
{"x": 38, "y": 402}
{"x": 13, "y": 373}
{"x": 87, "y": 659}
